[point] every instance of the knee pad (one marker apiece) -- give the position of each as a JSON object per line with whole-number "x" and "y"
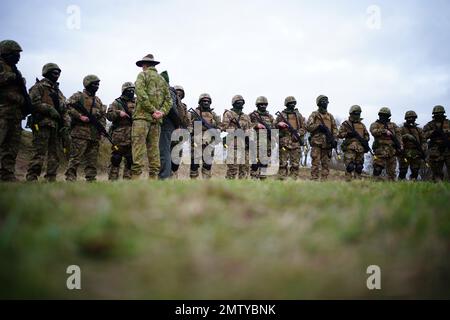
{"x": 254, "y": 167}
{"x": 377, "y": 170}
{"x": 194, "y": 167}
{"x": 116, "y": 159}
{"x": 359, "y": 168}
{"x": 207, "y": 166}
{"x": 402, "y": 174}
{"x": 350, "y": 167}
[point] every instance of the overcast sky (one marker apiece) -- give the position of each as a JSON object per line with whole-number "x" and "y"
{"x": 371, "y": 53}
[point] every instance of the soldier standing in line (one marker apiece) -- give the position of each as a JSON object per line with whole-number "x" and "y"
{"x": 50, "y": 121}
{"x": 387, "y": 145}
{"x": 235, "y": 119}
{"x": 322, "y": 126}
{"x": 85, "y": 135}
{"x": 437, "y": 131}
{"x": 263, "y": 122}
{"x": 414, "y": 144}
{"x": 356, "y": 141}
{"x": 120, "y": 113}
{"x": 291, "y": 140}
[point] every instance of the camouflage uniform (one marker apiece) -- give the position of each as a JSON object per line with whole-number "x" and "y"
{"x": 237, "y": 168}
{"x": 11, "y": 103}
{"x": 321, "y": 150}
{"x": 85, "y": 137}
{"x": 262, "y": 138}
{"x": 290, "y": 148}
{"x": 351, "y": 147}
{"x": 384, "y": 147}
{"x": 46, "y": 126}
{"x": 411, "y": 134}
{"x": 439, "y": 148}
{"x": 121, "y": 136}
{"x": 214, "y": 120}
{"x": 152, "y": 93}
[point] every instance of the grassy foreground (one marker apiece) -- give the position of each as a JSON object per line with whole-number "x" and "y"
{"x": 225, "y": 239}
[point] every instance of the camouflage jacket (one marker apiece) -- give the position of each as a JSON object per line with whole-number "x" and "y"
{"x": 231, "y": 118}
{"x": 409, "y": 135}
{"x": 352, "y": 143}
{"x": 81, "y": 129}
{"x": 437, "y": 144}
{"x": 121, "y": 127}
{"x": 184, "y": 115}
{"x": 384, "y": 145}
{"x": 41, "y": 98}
{"x": 298, "y": 122}
{"x": 319, "y": 139}
{"x": 210, "y": 117}
{"x": 153, "y": 94}
{"x": 11, "y": 97}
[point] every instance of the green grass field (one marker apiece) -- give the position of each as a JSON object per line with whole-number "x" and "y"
{"x": 225, "y": 239}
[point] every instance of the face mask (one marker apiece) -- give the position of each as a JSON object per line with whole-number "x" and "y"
{"x": 439, "y": 117}
{"x": 129, "y": 94}
{"x": 262, "y": 108}
{"x": 205, "y": 105}
{"x": 355, "y": 117}
{"x": 323, "y": 106}
{"x": 238, "y": 105}
{"x": 93, "y": 88}
{"x": 12, "y": 58}
{"x": 384, "y": 118}
{"x": 291, "y": 106}
{"x": 410, "y": 121}
{"x": 53, "y": 76}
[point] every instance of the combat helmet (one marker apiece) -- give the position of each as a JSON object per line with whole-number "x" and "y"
{"x": 438, "y": 110}
{"x": 89, "y": 79}
{"x": 289, "y": 99}
{"x": 127, "y": 85}
{"x": 355, "y": 109}
{"x": 9, "y": 46}
{"x": 410, "y": 114}
{"x": 237, "y": 98}
{"x": 204, "y": 96}
{"x": 49, "y": 67}
{"x": 385, "y": 111}
{"x": 261, "y": 100}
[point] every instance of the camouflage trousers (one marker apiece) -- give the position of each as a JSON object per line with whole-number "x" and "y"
{"x": 10, "y": 133}
{"x": 256, "y": 168}
{"x": 238, "y": 169}
{"x": 411, "y": 163}
{"x": 145, "y": 142}
{"x": 385, "y": 163}
{"x": 438, "y": 158}
{"x": 45, "y": 145}
{"x": 86, "y": 152}
{"x": 124, "y": 152}
{"x": 291, "y": 156}
{"x": 354, "y": 164}
{"x": 320, "y": 162}
{"x": 196, "y": 159}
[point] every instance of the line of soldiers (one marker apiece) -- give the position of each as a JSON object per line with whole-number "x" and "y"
{"x": 147, "y": 113}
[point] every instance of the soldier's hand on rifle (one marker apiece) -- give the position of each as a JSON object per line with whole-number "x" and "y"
{"x": 123, "y": 114}
{"x": 388, "y": 133}
{"x": 53, "y": 114}
{"x": 409, "y": 137}
{"x": 260, "y": 126}
{"x": 84, "y": 118}
{"x": 282, "y": 124}
{"x": 322, "y": 128}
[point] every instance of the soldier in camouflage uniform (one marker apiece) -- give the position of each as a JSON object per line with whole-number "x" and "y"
{"x": 206, "y": 112}
{"x": 12, "y": 104}
{"x": 414, "y": 144}
{"x": 321, "y": 148}
{"x": 437, "y": 132}
{"x": 351, "y": 147}
{"x": 185, "y": 122}
{"x": 120, "y": 113}
{"x": 152, "y": 104}
{"x": 50, "y": 122}
{"x": 385, "y": 133}
{"x": 84, "y": 134}
{"x": 232, "y": 120}
{"x": 290, "y": 147}
{"x": 262, "y": 136}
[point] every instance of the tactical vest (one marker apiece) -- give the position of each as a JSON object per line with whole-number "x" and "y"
{"x": 414, "y": 131}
